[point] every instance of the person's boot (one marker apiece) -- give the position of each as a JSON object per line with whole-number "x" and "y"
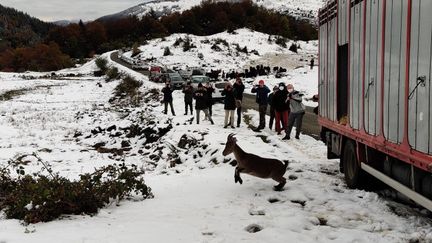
{"x": 297, "y": 136}
{"x": 286, "y": 137}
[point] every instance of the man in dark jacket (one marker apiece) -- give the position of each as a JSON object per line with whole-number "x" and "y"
{"x": 297, "y": 111}
{"x": 188, "y": 97}
{"x": 262, "y": 92}
{"x": 281, "y": 106}
{"x": 168, "y": 99}
{"x": 229, "y": 104}
{"x": 210, "y": 91}
{"x": 238, "y": 94}
{"x": 201, "y": 103}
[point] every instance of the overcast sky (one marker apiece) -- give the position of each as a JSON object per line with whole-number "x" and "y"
{"x": 52, "y": 10}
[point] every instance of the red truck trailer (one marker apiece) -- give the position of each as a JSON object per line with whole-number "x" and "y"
{"x": 375, "y": 66}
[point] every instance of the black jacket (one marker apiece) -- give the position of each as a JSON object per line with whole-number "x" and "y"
{"x": 201, "y": 98}
{"x": 167, "y": 91}
{"x": 238, "y": 90}
{"x": 229, "y": 101}
{"x": 210, "y": 92}
{"x": 261, "y": 94}
{"x": 188, "y": 93}
{"x": 279, "y": 100}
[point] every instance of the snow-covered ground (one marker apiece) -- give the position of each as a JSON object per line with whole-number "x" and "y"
{"x": 197, "y": 200}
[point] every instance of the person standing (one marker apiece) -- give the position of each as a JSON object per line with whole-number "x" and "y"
{"x": 168, "y": 98}
{"x": 188, "y": 97}
{"x": 210, "y": 91}
{"x": 262, "y": 92}
{"x": 296, "y": 114}
{"x": 312, "y": 63}
{"x": 281, "y": 106}
{"x": 238, "y": 95}
{"x": 272, "y": 110}
{"x": 201, "y": 103}
{"x": 229, "y": 105}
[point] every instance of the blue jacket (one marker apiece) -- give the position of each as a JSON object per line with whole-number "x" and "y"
{"x": 261, "y": 94}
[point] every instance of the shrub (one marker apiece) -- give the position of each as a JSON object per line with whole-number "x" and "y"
{"x": 200, "y": 56}
{"x": 293, "y": 47}
{"x": 215, "y": 47}
{"x": 281, "y": 41}
{"x": 135, "y": 49}
{"x": 178, "y": 42}
{"x": 128, "y": 87}
{"x": 39, "y": 198}
{"x": 112, "y": 74}
{"x": 187, "y": 44}
{"x": 167, "y": 51}
{"x": 102, "y": 64}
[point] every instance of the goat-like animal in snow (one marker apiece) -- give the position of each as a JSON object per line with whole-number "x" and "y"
{"x": 255, "y": 165}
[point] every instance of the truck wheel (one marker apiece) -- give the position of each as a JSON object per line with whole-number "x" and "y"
{"x": 351, "y": 166}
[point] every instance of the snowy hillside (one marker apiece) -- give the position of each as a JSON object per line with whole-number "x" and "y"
{"x": 301, "y": 8}
{"x": 225, "y": 51}
{"x": 196, "y": 199}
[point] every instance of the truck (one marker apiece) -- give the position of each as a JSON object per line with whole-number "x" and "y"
{"x": 375, "y": 93}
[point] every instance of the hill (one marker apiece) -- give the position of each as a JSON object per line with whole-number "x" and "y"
{"x": 303, "y": 9}
{"x": 18, "y": 29}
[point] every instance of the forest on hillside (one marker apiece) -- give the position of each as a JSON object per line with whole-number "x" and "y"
{"x": 83, "y": 40}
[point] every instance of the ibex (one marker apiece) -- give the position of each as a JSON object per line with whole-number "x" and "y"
{"x": 255, "y": 165}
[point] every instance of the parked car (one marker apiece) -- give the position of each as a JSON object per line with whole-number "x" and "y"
{"x": 196, "y": 79}
{"x": 155, "y": 73}
{"x": 218, "y": 86}
{"x": 139, "y": 66}
{"x": 185, "y": 74}
{"x": 176, "y": 80}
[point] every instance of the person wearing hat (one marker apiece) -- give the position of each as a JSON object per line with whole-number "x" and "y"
{"x": 262, "y": 92}
{"x": 281, "y": 107}
{"x": 297, "y": 111}
{"x": 201, "y": 103}
{"x": 238, "y": 94}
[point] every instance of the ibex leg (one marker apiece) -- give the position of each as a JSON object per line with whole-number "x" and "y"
{"x": 237, "y": 177}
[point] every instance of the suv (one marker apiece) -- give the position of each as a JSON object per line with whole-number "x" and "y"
{"x": 219, "y": 86}
{"x": 176, "y": 80}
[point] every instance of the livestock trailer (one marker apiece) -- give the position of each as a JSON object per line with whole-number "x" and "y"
{"x": 375, "y": 92}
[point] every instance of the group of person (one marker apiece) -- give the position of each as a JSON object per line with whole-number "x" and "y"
{"x": 286, "y": 107}
{"x": 202, "y": 95}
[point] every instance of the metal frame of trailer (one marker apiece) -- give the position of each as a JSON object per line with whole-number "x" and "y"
{"x": 375, "y": 73}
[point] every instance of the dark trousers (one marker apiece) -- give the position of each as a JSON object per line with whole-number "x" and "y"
{"x": 272, "y": 117}
{"x": 166, "y": 107}
{"x": 239, "y": 111}
{"x": 210, "y": 111}
{"x": 188, "y": 104}
{"x": 296, "y": 118}
{"x": 262, "y": 113}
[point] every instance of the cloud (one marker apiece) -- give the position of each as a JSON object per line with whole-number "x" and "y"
{"x": 51, "y": 10}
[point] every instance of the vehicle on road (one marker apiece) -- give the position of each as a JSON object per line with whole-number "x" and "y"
{"x": 176, "y": 80}
{"x": 374, "y": 89}
{"x": 139, "y": 66}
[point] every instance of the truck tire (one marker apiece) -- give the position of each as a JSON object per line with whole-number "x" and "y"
{"x": 351, "y": 166}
